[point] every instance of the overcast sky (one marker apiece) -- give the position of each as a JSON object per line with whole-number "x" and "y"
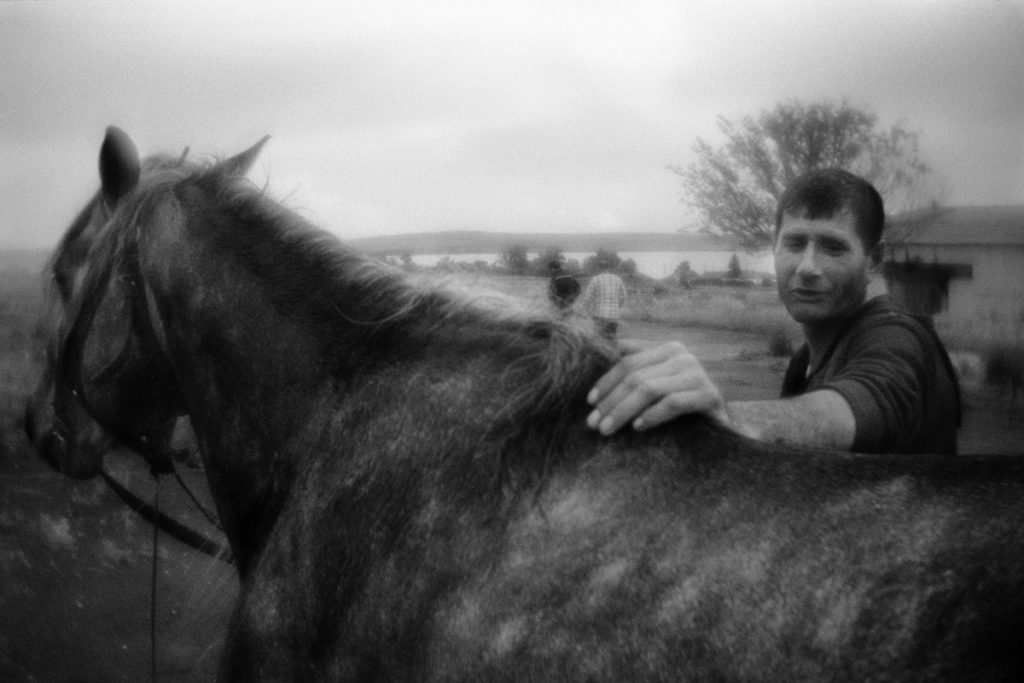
{"x": 529, "y": 116}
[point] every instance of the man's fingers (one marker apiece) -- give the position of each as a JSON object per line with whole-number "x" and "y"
{"x": 648, "y": 376}
{"x": 633, "y": 397}
{"x": 636, "y": 365}
{"x": 681, "y": 403}
{"x": 651, "y": 386}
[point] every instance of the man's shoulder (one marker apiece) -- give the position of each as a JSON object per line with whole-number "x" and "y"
{"x": 890, "y": 358}
{"x": 879, "y": 307}
{"x": 882, "y": 315}
{"x": 888, "y": 334}
{"x": 882, "y": 335}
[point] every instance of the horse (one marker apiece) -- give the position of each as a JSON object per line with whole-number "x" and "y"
{"x": 410, "y": 492}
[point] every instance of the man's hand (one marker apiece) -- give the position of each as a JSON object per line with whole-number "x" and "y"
{"x": 650, "y": 385}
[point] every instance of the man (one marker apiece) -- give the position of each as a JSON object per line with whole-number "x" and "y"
{"x": 870, "y": 377}
{"x": 604, "y": 296}
{"x": 563, "y": 288}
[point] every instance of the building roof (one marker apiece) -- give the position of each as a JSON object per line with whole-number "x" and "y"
{"x": 959, "y": 225}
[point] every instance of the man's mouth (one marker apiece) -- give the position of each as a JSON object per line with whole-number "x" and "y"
{"x": 803, "y": 294}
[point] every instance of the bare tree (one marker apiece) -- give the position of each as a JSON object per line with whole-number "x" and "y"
{"x": 735, "y": 187}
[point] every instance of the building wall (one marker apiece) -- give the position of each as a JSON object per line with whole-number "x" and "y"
{"x": 988, "y": 307}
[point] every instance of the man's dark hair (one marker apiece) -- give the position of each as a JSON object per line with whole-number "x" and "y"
{"x": 828, "y": 192}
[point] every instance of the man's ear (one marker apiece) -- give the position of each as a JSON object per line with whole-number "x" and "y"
{"x": 875, "y": 257}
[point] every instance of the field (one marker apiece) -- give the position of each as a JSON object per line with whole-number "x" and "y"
{"x": 75, "y": 564}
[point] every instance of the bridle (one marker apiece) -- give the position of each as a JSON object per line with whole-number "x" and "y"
{"x": 71, "y": 387}
{"x": 70, "y": 381}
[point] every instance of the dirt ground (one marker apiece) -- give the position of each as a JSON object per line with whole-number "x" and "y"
{"x": 76, "y": 569}
{"x": 76, "y": 564}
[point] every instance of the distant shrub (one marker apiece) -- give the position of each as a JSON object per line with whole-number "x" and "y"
{"x": 1004, "y": 368}
{"x": 514, "y": 259}
{"x": 734, "y": 271}
{"x": 611, "y": 259}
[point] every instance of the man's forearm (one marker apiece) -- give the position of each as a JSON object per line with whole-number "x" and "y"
{"x": 820, "y": 419}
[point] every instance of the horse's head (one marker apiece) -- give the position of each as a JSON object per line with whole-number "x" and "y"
{"x": 105, "y": 379}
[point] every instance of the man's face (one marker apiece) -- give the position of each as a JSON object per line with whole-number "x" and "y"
{"x": 821, "y": 267}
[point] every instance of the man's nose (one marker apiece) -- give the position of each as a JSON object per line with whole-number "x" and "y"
{"x": 808, "y": 266}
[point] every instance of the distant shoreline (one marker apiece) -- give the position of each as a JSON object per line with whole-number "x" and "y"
{"x": 479, "y": 242}
{"x": 468, "y": 242}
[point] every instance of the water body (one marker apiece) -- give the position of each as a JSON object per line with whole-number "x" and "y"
{"x": 656, "y": 264}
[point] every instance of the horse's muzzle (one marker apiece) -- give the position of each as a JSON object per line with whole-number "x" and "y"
{"x": 65, "y": 455}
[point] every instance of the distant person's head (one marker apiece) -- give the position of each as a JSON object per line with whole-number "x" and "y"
{"x": 827, "y": 230}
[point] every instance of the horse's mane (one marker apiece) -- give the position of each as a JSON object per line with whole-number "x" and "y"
{"x": 296, "y": 257}
{"x": 552, "y": 362}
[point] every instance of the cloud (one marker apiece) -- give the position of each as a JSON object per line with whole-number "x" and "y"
{"x": 393, "y": 116}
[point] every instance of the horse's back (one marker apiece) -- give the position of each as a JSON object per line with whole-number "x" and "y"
{"x": 650, "y": 564}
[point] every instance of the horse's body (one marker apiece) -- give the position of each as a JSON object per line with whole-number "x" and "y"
{"x": 411, "y": 494}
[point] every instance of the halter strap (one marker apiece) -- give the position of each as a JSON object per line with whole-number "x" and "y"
{"x": 72, "y": 384}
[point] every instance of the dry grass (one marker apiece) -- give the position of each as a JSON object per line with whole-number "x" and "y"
{"x": 755, "y": 311}
{"x": 752, "y": 310}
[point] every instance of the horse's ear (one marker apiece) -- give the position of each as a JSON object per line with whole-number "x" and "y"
{"x": 241, "y": 163}
{"x": 119, "y": 166}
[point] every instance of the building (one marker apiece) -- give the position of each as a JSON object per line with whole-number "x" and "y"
{"x": 964, "y": 266}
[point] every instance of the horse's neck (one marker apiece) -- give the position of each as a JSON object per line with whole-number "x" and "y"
{"x": 241, "y": 353}
{"x": 241, "y": 358}
{"x": 253, "y": 383}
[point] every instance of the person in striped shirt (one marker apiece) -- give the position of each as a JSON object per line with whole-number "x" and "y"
{"x": 604, "y": 296}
